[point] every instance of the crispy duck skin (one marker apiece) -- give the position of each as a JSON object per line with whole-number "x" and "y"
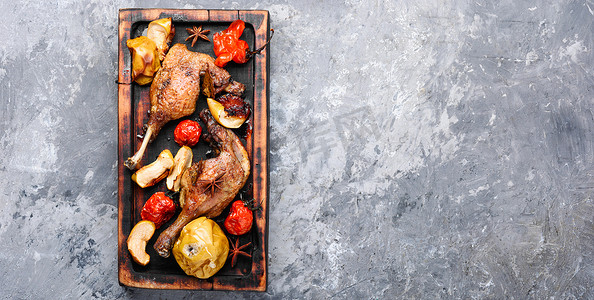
{"x": 176, "y": 88}
{"x": 208, "y": 186}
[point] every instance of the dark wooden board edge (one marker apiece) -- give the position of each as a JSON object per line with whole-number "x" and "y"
{"x": 257, "y": 279}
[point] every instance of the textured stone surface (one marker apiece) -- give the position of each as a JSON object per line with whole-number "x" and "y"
{"x": 419, "y": 149}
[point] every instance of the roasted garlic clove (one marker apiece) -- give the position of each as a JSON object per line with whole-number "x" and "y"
{"x": 150, "y": 174}
{"x": 141, "y": 233}
{"x": 145, "y": 59}
{"x": 183, "y": 160}
{"x": 161, "y": 32}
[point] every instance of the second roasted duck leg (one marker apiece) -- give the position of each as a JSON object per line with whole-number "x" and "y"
{"x": 209, "y": 185}
{"x": 176, "y": 88}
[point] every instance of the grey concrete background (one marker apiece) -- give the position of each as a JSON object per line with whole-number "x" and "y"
{"x": 419, "y": 150}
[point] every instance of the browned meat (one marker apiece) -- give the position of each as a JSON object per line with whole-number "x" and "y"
{"x": 176, "y": 88}
{"x": 209, "y": 185}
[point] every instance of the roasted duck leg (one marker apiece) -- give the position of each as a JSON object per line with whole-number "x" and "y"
{"x": 208, "y": 186}
{"x": 176, "y": 88}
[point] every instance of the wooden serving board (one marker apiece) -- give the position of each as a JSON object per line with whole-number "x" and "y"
{"x": 249, "y": 274}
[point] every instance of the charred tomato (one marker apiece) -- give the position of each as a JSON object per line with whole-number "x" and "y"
{"x": 187, "y": 133}
{"x": 158, "y": 209}
{"x": 240, "y": 219}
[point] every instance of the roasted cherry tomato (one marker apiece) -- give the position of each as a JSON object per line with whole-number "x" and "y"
{"x": 187, "y": 133}
{"x": 228, "y": 47}
{"x": 240, "y": 218}
{"x": 158, "y": 208}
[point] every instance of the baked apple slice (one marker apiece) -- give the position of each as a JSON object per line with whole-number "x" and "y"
{"x": 161, "y": 32}
{"x": 141, "y": 233}
{"x": 150, "y": 174}
{"x": 183, "y": 160}
{"x": 229, "y": 110}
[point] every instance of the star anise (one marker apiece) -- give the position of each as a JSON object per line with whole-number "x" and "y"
{"x": 237, "y": 250}
{"x": 197, "y": 32}
{"x": 212, "y": 184}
